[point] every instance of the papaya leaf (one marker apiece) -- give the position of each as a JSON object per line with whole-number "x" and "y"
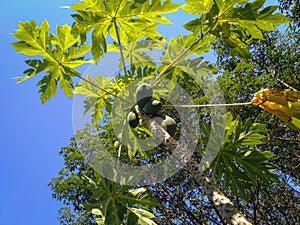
{"x": 135, "y": 51}
{"x": 86, "y": 88}
{"x": 100, "y": 217}
{"x": 144, "y": 217}
{"x": 97, "y": 95}
{"x": 57, "y": 56}
{"x": 285, "y": 104}
{"x": 37, "y": 67}
{"x": 236, "y": 21}
{"x": 197, "y": 6}
{"x": 64, "y": 40}
{"x": 190, "y": 62}
{"x": 128, "y": 17}
{"x": 111, "y": 202}
{"x": 238, "y": 163}
{"x": 33, "y": 40}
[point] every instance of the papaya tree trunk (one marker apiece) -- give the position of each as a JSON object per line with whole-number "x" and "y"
{"x": 225, "y": 208}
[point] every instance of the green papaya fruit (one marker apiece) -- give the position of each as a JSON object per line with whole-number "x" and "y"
{"x": 167, "y": 123}
{"x": 133, "y": 119}
{"x": 152, "y": 107}
{"x": 144, "y": 94}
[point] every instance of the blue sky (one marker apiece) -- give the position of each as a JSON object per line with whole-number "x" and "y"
{"x": 31, "y": 133}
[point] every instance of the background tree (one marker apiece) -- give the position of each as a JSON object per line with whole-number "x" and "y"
{"x": 273, "y": 63}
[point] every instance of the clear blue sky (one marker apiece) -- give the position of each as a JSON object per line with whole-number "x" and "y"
{"x": 31, "y": 133}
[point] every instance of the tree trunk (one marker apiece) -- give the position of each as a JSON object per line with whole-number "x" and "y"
{"x": 225, "y": 208}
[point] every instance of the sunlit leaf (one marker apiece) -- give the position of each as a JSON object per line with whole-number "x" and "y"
{"x": 57, "y": 56}
{"x": 235, "y": 21}
{"x": 197, "y": 6}
{"x": 285, "y": 104}
{"x": 144, "y": 217}
{"x": 97, "y": 95}
{"x": 111, "y": 202}
{"x": 33, "y": 40}
{"x": 125, "y": 17}
{"x": 137, "y": 51}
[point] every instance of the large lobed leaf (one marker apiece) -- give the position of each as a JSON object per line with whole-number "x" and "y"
{"x": 97, "y": 95}
{"x": 137, "y": 51}
{"x": 238, "y": 163}
{"x": 57, "y": 56}
{"x": 127, "y": 17}
{"x": 111, "y": 203}
{"x": 236, "y": 21}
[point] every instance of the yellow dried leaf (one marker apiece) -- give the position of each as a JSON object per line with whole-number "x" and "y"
{"x": 285, "y": 104}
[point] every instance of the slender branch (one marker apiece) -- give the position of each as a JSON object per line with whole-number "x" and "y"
{"x": 184, "y": 205}
{"x": 171, "y": 197}
{"x": 287, "y": 139}
{"x": 167, "y": 215}
{"x": 289, "y": 86}
{"x": 211, "y": 105}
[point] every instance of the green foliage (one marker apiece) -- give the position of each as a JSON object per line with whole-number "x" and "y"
{"x": 68, "y": 216}
{"x": 128, "y": 22}
{"x": 59, "y": 54}
{"x": 135, "y": 19}
{"x": 197, "y": 7}
{"x": 135, "y": 50}
{"x": 70, "y": 188}
{"x": 276, "y": 53}
{"x": 98, "y": 93}
{"x": 239, "y": 164}
{"x": 112, "y": 203}
{"x": 291, "y": 8}
{"x": 182, "y": 55}
{"x": 235, "y": 21}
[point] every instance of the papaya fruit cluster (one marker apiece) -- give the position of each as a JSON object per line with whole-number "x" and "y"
{"x": 151, "y": 106}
